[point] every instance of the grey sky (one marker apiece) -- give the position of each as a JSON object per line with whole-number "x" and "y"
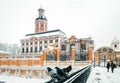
{"x": 99, "y": 19}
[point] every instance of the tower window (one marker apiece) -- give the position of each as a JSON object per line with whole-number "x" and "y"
{"x": 91, "y": 42}
{"x": 115, "y": 46}
{"x": 41, "y": 24}
{"x": 37, "y": 24}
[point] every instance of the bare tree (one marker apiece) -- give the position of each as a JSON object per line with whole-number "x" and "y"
{"x": 13, "y": 49}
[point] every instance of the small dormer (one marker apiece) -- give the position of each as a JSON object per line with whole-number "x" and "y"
{"x": 115, "y": 44}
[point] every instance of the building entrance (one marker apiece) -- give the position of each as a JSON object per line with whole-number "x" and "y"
{"x": 104, "y": 55}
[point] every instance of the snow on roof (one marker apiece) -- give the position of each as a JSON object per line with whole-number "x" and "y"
{"x": 47, "y": 33}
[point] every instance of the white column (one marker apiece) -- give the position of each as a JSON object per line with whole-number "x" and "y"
{"x": 25, "y": 47}
{"x": 29, "y": 47}
{"x": 8, "y": 72}
{"x": 18, "y": 74}
{"x": 31, "y": 73}
{"x": 42, "y": 73}
{"x": 59, "y": 42}
{"x": 15, "y": 72}
{"x": 38, "y": 46}
{"x": 33, "y": 47}
{"x": 27, "y": 75}
{"x": 0, "y": 71}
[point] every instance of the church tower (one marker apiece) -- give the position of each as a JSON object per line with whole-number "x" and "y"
{"x": 115, "y": 44}
{"x": 41, "y": 22}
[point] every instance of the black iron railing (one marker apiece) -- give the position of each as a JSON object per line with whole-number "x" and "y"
{"x": 79, "y": 76}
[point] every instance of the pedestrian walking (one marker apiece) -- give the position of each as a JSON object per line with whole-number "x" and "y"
{"x": 108, "y": 66}
{"x": 112, "y": 67}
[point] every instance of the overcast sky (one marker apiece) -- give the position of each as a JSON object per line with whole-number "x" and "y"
{"x": 99, "y": 19}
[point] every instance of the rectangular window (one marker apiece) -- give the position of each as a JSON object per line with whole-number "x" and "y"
{"x": 45, "y": 46}
{"x": 45, "y": 41}
{"x": 35, "y": 49}
{"x": 83, "y": 46}
{"x": 40, "y": 48}
{"x": 36, "y": 42}
{"x": 22, "y": 50}
{"x": 40, "y": 42}
{"x": 56, "y": 41}
{"x": 56, "y": 45}
{"x": 26, "y": 50}
{"x": 31, "y": 49}
{"x": 23, "y": 44}
{"x": 31, "y": 43}
{"x": 27, "y": 43}
{"x": 63, "y": 47}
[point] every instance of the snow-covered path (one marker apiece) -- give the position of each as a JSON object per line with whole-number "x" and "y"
{"x": 100, "y": 75}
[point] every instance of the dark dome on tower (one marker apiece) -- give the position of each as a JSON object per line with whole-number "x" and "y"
{"x": 41, "y": 14}
{"x": 42, "y": 18}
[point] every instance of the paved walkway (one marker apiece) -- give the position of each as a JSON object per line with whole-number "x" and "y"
{"x": 100, "y": 75}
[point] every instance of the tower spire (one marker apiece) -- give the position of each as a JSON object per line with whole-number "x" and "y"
{"x": 41, "y": 2}
{"x": 41, "y": 10}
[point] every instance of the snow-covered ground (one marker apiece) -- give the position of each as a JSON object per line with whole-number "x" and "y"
{"x": 12, "y": 79}
{"x": 100, "y": 75}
